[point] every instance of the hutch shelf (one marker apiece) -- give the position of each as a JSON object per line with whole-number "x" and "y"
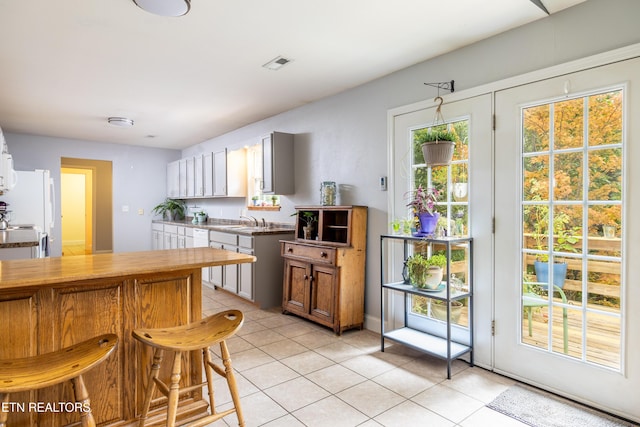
{"x": 438, "y": 322}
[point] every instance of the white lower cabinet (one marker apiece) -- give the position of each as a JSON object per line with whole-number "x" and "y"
{"x": 224, "y": 276}
{"x": 157, "y": 236}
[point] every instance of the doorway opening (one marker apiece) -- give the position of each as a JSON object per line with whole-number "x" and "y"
{"x": 86, "y": 206}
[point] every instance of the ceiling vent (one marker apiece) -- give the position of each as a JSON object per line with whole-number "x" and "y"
{"x": 276, "y": 63}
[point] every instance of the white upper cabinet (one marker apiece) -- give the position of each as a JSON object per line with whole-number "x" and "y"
{"x": 219, "y": 174}
{"x": 230, "y": 173}
{"x": 277, "y": 164}
{"x": 173, "y": 179}
{"x": 191, "y": 178}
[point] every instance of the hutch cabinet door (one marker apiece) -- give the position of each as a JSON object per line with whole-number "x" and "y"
{"x": 323, "y": 294}
{"x": 296, "y": 287}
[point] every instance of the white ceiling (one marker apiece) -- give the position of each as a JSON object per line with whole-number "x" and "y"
{"x": 67, "y": 65}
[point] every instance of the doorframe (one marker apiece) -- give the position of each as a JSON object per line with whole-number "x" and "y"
{"x": 582, "y": 64}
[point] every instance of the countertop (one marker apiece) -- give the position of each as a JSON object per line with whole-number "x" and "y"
{"x": 230, "y": 226}
{"x": 47, "y": 271}
{"x": 19, "y": 238}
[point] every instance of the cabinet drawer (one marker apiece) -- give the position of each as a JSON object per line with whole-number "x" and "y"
{"x": 219, "y": 237}
{"x": 173, "y": 229}
{"x": 245, "y": 242}
{"x": 312, "y": 253}
{"x": 157, "y": 227}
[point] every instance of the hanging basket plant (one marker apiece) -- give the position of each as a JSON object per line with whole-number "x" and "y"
{"x": 437, "y": 144}
{"x": 437, "y": 147}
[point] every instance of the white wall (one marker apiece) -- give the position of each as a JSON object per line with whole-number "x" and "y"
{"x": 139, "y": 181}
{"x": 343, "y": 138}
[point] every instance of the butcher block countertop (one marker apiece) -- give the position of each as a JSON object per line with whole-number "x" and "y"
{"x": 50, "y": 303}
{"x": 49, "y": 271}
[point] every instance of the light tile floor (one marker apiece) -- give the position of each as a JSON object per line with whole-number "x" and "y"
{"x": 293, "y": 373}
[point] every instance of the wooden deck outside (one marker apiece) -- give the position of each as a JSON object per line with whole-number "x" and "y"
{"x": 603, "y": 332}
{"x": 603, "y": 336}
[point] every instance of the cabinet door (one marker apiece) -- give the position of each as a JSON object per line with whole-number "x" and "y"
{"x": 267, "y": 164}
{"x": 191, "y": 176}
{"x": 158, "y": 240}
{"x": 215, "y": 273}
{"x": 230, "y": 278}
{"x": 323, "y": 294}
{"x": 182, "y": 174}
{"x": 220, "y": 173}
{"x": 198, "y": 176}
{"x": 173, "y": 179}
{"x": 295, "y": 293}
{"x": 207, "y": 175}
{"x": 277, "y": 164}
{"x": 245, "y": 282}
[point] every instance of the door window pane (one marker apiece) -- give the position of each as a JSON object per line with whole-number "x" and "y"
{"x": 571, "y": 223}
{"x": 452, "y": 182}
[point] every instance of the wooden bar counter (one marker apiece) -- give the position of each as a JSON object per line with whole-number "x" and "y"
{"x": 50, "y": 303}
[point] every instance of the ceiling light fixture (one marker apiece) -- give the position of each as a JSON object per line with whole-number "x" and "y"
{"x": 165, "y": 7}
{"x": 276, "y": 63}
{"x": 121, "y": 122}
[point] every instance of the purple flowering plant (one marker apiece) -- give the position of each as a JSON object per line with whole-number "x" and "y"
{"x": 424, "y": 200}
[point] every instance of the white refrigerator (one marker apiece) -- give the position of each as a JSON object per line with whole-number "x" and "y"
{"x": 31, "y": 203}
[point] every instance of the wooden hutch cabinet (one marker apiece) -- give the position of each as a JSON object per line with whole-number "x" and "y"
{"x": 324, "y": 270}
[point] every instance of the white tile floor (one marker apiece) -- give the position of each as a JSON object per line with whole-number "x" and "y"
{"x": 291, "y": 372}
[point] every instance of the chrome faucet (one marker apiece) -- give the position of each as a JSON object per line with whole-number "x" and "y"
{"x": 264, "y": 223}
{"x": 255, "y": 221}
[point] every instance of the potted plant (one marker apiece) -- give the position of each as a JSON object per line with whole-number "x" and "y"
{"x": 460, "y": 186}
{"x": 437, "y": 146}
{"x": 308, "y": 218}
{"x": 439, "y": 310}
{"x": 564, "y": 240}
{"x": 423, "y": 202}
{"x": 170, "y": 209}
{"x": 201, "y": 216}
{"x": 425, "y": 272}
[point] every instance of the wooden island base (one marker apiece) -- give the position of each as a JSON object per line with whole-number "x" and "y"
{"x": 50, "y": 303}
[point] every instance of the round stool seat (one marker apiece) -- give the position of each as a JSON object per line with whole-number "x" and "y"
{"x": 44, "y": 370}
{"x": 193, "y": 336}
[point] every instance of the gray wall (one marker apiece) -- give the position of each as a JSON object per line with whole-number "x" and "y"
{"x": 139, "y": 181}
{"x": 344, "y": 137}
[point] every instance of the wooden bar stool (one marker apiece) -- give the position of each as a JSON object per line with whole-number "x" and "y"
{"x": 183, "y": 339}
{"x": 44, "y": 370}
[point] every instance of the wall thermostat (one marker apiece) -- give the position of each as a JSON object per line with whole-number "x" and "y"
{"x": 383, "y": 183}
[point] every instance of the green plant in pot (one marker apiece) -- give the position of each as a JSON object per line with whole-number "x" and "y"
{"x": 564, "y": 240}
{"x": 170, "y": 209}
{"x": 439, "y": 310}
{"x": 437, "y": 145}
{"x": 425, "y": 272}
{"x": 308, "y": 218}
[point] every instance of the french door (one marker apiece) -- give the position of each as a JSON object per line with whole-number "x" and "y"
{"x": 567, "y": 300}
{"x": 465, "y": 187}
